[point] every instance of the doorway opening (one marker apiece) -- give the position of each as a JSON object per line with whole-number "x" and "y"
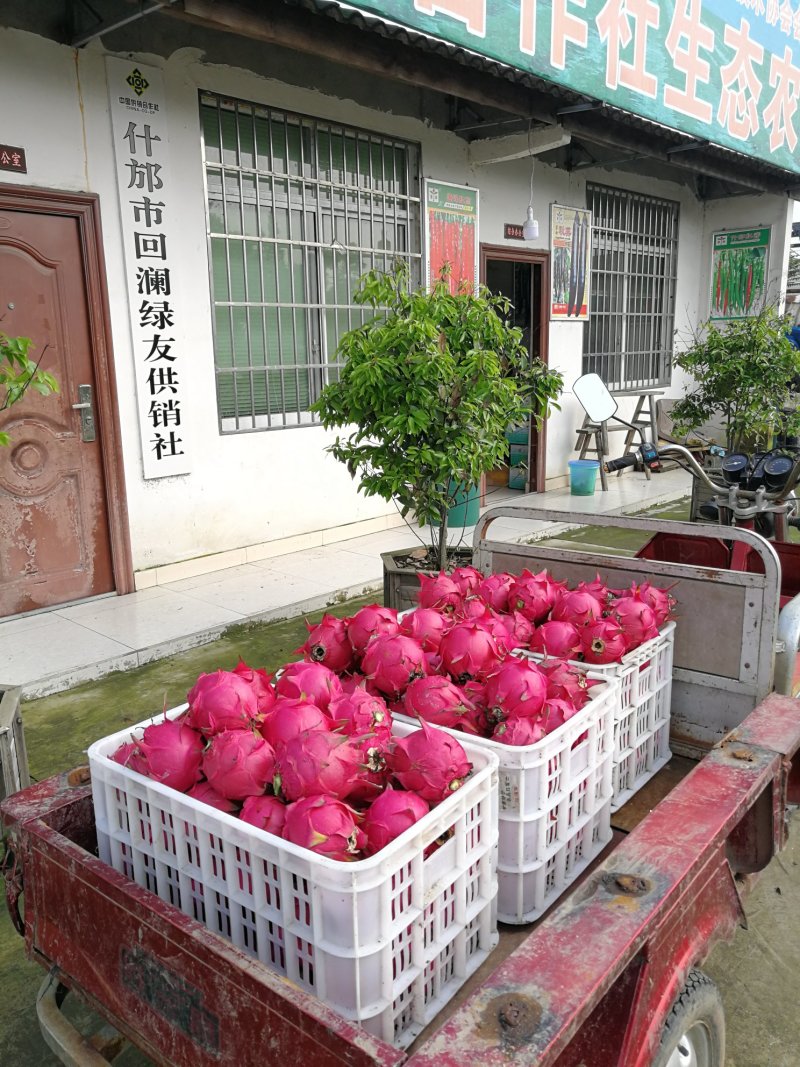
{"x": 521, "y": 276}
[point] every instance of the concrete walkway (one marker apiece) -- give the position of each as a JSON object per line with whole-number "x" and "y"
{"x": 53, "y": 650}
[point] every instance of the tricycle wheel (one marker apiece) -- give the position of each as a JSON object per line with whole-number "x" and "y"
{"x": 694, "y": 1031}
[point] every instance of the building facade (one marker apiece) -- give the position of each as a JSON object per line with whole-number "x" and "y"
{"x": 200, "y": 191}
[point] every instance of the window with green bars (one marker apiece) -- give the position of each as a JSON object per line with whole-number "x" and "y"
{"x": 298, "y": 210}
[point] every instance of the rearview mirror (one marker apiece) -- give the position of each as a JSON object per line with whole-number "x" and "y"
{"x": 595, "y": 399}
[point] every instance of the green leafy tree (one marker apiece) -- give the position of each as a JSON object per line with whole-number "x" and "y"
{"x": 18, "y": 373}
{"x": 742, "y": 370}
{"x": 430, "y": 385}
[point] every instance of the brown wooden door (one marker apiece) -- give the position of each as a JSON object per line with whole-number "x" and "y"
{"x": 54, "y": 536}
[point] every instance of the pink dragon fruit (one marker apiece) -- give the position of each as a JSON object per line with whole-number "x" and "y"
{"x": 566, "y": 683}
{"x": 502, "y": 629}
{"x": 221, "y": 701}
{"x": 517, "y": 689}
{"x": 660, "y": 601}
{"x": 239, "y": 763}
{"x": 472, "y": 607}
{"x": 495, "y": 590}
{"x": 291, "y": 717}
{"x": 130, "y": 755}
{"x": 433, "y": 663}
{"x": 390, "y": 815}
{"x": 468, "y": 650}
{"x": 521, "y": 627}
{"x": 429, "y": 762}
{"x": 328, "y": 643}
{"x": 173, "y": 751}
{"x": 556, "y": 712}
{"x": 437, "y": 700}
{"x": 467, "y": 579}
{"x": 426, "y": 626}
{"x": 533, "y": 595}
{"x": 358, "y": 713}
{"x": 598, "y": 589}
{"x": 317, "y": 763}
{"x": 392, "y": 663}
{"x": 636, "y": 618}
{"x": 576, "y": 606}
{"x": 207, "y": 794}
{"x": 559, "y": 639}
{"x": 603, "y": 641}
{"x": 260, "y": 682}
{"x": 313, "y": 682}
{"x": 519, "y": 732}
{"x": 374, "y": 774}
{"x": 326, "y": 826}
{"x": 368, "y": 622}
{"x": 267, "y": 813}
{"x": 439, "y": 592}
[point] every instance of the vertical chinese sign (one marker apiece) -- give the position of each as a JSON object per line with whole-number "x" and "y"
{"x": 739, "y": 260}
{"x": 451, "y": 233}
{"x": 149, "y": 203}
{"x": 570, "y": 258}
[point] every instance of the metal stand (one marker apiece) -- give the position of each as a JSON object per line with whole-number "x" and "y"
{"x": 597, "y": 432}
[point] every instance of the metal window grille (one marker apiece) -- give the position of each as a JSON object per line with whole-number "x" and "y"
{"x": 629, "y": 336}
{"x": 298, "y": 210}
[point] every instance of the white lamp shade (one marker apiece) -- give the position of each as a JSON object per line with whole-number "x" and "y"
{"x": 530, "y": 228}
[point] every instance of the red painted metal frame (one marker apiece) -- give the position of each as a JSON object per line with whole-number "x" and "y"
{"x": 591, "y": 985}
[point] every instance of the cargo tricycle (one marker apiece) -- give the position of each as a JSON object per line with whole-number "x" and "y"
{"x": 609, "y": 977}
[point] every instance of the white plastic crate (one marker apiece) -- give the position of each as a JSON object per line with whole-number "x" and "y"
{"x": 642, "y": 714}
{"x": 555, "y": 806}
{"x": 386, "y": 941}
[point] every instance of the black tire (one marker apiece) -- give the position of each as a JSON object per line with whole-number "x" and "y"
{"x": 694, "y": 1030}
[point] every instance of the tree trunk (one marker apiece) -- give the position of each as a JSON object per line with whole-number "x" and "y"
{"x": 443, "y": 540}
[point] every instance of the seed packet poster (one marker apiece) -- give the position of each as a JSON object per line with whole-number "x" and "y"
{"x": 451, "y": 233}
{"x": 739, "y": 272}
{"x": 571, "y": 256}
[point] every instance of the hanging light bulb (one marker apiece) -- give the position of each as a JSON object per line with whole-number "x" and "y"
{"x": 530, "y": 227}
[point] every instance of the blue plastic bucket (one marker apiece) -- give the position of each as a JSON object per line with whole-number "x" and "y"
{"x": 583, "y": 476}
{"x": 466, "y": 506}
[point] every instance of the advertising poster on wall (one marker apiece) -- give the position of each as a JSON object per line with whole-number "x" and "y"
{"x": 570, "y": 258}
{"x": 739, "y": 260}
{"x": 451, "y": 233}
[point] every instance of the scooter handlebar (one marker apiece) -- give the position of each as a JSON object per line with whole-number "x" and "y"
{"x": 628, "y": 460}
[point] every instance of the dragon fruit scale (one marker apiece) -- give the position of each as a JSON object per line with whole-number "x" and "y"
{"x": 559, "y": 639}
{"x": 329, "y": 644}
{"x": 636, "y": 619}
{"x": 266, "y": 812}
{"x": 391, "y": 663}
{"x": 494, "y": 590}
{"x": 576, "y": 606}
{"x": 467, "y": 579}
{"x": 326, "y": 826}
{"x": 207, "y": 794}
{"x": 519, "y": 732}
{"x": 429, "y": 762}
{"x": 260, "y": 682}
{"x": 359, "y": 713}
{"x": 533, "y": 595}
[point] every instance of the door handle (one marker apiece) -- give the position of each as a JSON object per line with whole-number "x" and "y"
{"x": 85, "y": 407}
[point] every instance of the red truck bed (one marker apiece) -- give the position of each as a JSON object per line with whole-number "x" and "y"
{"x": 590, "y": 985}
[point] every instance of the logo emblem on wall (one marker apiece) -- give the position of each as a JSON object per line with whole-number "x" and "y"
{"x": 137, "y": 81}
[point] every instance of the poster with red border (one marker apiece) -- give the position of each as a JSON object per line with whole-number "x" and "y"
{"x": 571, "y": 260}
{"x": 451, "y": 233}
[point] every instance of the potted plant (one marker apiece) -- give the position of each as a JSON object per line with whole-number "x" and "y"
{"x": 429, "y": 386}
{"x": 742, "y": 373}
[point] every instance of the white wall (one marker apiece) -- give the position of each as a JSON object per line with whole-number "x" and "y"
{"x": 255, "y": 487}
